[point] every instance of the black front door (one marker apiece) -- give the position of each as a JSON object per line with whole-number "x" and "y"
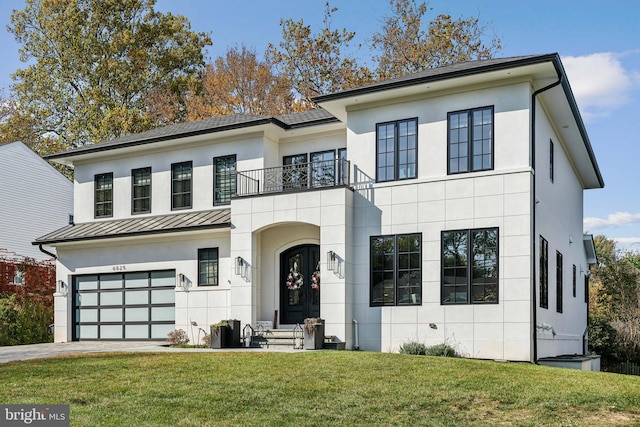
{"x": 299, "y": 284}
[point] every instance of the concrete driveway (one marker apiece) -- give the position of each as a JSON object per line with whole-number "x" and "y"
{"x": 38, "y": 351}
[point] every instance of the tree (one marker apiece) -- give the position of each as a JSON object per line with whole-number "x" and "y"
{"x": 316, "y": 64}
{"x": 615, "y": 297}
{"x": 240, "y": 83}
{"x": 407, "y": 47}
{"x": 94, "y": 64}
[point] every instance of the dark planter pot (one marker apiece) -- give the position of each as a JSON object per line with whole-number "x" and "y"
{"x": 313, "y": 331}
{"x": 234, "y": 333}
{"x": 220, "y": 336}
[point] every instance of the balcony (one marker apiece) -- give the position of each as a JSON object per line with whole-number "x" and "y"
{"x": 290, "y": 178}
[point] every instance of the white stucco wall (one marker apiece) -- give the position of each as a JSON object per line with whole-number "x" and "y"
{"x": 559, "y": 213}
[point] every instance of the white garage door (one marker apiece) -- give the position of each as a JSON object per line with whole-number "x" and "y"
{"x": 129, "y": 306}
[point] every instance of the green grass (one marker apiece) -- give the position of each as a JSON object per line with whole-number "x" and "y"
{"x": 317, "y": 388}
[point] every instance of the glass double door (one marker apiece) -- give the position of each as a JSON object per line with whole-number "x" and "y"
{"x": 299, "y": 284}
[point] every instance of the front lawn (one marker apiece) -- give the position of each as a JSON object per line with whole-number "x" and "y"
{"x": 317, "y": 388}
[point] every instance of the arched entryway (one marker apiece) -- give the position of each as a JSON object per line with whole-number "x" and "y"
{"x": 299, "y": 284}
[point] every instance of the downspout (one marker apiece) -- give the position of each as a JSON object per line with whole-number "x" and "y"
{"x": 47, "y": 252}
{"x": 534, "y": 300}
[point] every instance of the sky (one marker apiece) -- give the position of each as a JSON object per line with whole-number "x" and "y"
{"x": 599, "y": 44}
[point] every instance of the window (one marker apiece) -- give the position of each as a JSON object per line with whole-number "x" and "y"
{"x": 558, "y": 282}
{"x": 470, "y": 140}
{"x": 574, "y": 280}
{"x": 323, "y": 172}
{"x": 295, "y": 171}
{"x": 551, "y": 160}
{"x": 586, "y": 289}
{"x": 104, "y": 195}
{"x": 224, "y": 179}
{"x": 208, "y": 267}
{"x": 17, "y": 278}
{"x": 141, "y": 190}
{"x": 396, "y": 150}
{"x": 181, "y": 185}
{"x": 544, "y": 273}
{"x": 470, "y": 266}
{"x": 343, "y": 171}
{"x": 396, "y": 270}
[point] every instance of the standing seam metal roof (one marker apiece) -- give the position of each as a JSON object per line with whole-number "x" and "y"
{"x": 219, "y": 218}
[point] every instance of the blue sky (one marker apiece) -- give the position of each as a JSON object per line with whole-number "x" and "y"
{"x": 599, "y": 43}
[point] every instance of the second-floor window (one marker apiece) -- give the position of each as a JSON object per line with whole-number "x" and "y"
{"x": 397, "y": 150}
{"x": 181, "y": 185}
{"x": 224, "y": 179}
{"x": 470, "y": 140}
{"x": 141, "y": 190}
{"x": 551, "y": 160}
{"x": 103, "y": 195}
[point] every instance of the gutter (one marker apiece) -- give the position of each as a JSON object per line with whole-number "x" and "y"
{"x": 55, "y": 257}
{"x": 534, "y": 300}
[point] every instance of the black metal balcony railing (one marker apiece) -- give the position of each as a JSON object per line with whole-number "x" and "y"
{"x": 299, "y": 177}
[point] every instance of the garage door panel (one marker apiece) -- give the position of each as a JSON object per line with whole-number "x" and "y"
{"x": 137, "y": 305}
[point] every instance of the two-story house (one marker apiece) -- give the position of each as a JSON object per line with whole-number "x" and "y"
{"x": 443, "y": 206}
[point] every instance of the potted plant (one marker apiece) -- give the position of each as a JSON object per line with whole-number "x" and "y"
{"x": 313, "y": 333}
{"x": 220, "y": 334}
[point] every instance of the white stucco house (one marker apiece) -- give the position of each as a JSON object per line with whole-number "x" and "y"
{"x": 443, "y": 206}
{"x": 34, "y": 199}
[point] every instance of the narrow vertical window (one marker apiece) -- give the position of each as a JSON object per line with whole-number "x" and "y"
{"x": 208, "y": 267}
{"x": 103, "y": 195}
{"x": 141, "y": 190}
{"x": 574, "y": 281}
{"x": 586, "y": 289}
{"x": 551, "y": 154}
{"x": 544, "y": 273}
{"x": 224, "y": 179}
{"x": 470, "y": 140}
{"x": 559, "y": 273}
{"x": 396, "y": 150}
{"x": 343, "y": 170}
{"x": 181, "y": 185}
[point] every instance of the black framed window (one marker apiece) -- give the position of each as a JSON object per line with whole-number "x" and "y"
{"x": 575, "y": 284}
{"x": 544, "y": 273}
{"x": 295, "y": 173}
{"x": 586, "y": 289}
{"x": 224, "y": 179}
{"x": 323, "y": 171}
{"x": 470, "y": 140}
{"x": 208, "y": 267}
{"x": 470, "y": 266}
{"x": 103, "y": 195}
{"x": 397, "y": 150}
{"x": 181, "y": 185}
{"x": 396, "y": 270}
{"x": 141, "y": 190}
{"x": 551, "y": 160}
{"x": 559, "y": 273}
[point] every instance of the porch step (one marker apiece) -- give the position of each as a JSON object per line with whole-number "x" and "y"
{"x": 285, "y": 338}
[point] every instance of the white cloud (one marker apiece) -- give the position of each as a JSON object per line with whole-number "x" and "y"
{"x": 599, "y": 82}
{"x": 612, "y": 220}
{"x": 627, "y": 241}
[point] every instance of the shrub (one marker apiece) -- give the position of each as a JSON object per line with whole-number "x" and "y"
{"x": 443, "y": 350}
{"x": 207, "y": 340}
{"x": 177, "y": 337}
{"x": 24, "y": 322}
{"x": 413, "y": 347}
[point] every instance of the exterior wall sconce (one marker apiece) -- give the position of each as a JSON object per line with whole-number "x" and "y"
{"x": 239, "y": 264}
{"x": 183, "y": 282}
{"x": 62, "y": 288}
{"x": 332, "y": 261}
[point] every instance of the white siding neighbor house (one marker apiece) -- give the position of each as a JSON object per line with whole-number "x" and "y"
{"x": 443, "y": 206}
{"x": 34, "y": 199}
